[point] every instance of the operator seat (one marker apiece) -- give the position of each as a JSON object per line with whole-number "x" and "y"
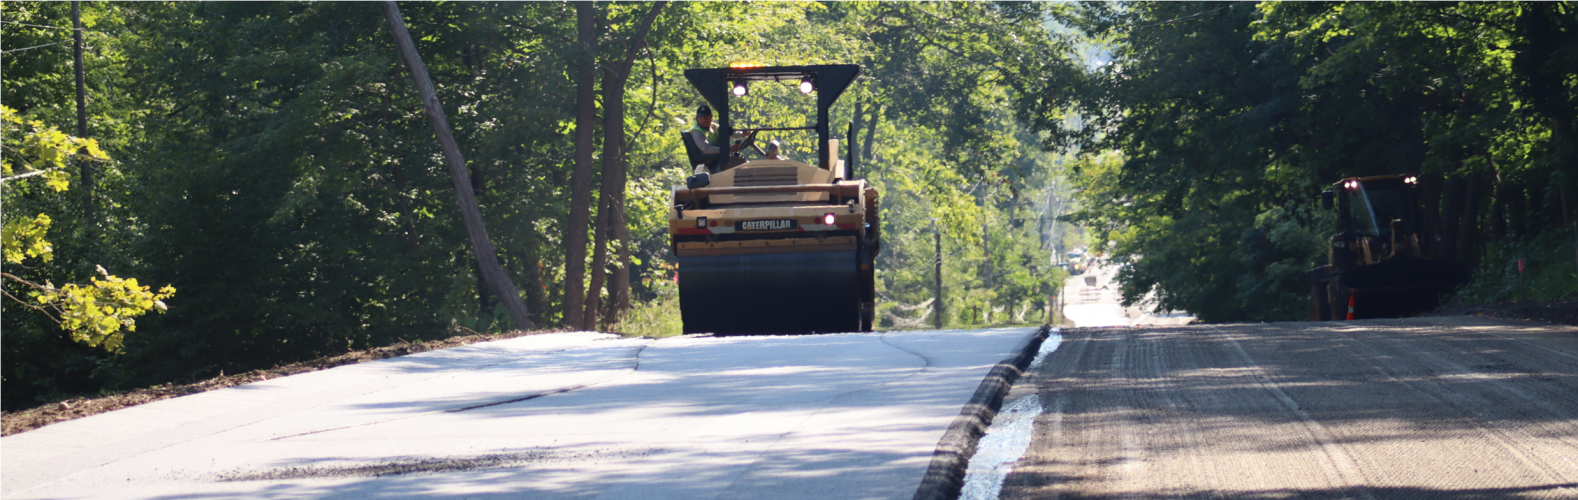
{"x": 695, "y": 155}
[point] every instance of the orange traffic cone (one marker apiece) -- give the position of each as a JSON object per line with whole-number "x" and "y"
{"x": 1351, "y": 296}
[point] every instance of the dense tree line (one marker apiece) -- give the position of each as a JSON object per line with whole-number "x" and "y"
{"x": 1218, "y": 125}
{"x": 271, "y": 162}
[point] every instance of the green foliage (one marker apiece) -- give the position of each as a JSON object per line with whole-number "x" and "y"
{"x": 1550, "y": 270}
{"x": 95, "y": 314}
{"x": 273, "y": 164}
{"x": 658, "y": 317}
{"x": 1221, "y": 123}
{"x": 23, "y": 238}
{"x": 92, "y": 314}
{"x": 42, "y": 150}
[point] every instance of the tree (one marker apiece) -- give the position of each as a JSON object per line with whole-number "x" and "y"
{"x": 93, "y": 314}
{"x": 611, "y": 215}
{"x": 581, "y": 181}
{"x": 476, "y": 230}
{"x": 1229, "y": 119}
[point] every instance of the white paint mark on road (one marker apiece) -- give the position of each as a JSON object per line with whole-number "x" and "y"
{"x": 1007, "y": 438}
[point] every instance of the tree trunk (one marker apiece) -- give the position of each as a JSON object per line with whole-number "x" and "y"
{"x": 581, "y": 180}
{"x": 1498, "y": 212}
{"x": 484, "y": 298}
{"x": 594, "y": 293}
{"x": 1468, "y": 230}
{"x": 1430, "y": 194}
{"x": 937, "y": 307}
{"x": 615, "y": 76}
{"x": 871, "y": 131}
{"x": 1564, "y": 196}
{"x": 405, "y": 208}
{"x": 536, "y": 290}
{"x": 470, "y": 213}
{"x": 1518, "y": 211}
{"x": 82, "y": 113}
{"x": 1451, "y": 208}
{"x": 614, "y": 173}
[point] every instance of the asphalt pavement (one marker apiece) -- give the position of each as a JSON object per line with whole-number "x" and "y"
{"x": 569, "y": 415}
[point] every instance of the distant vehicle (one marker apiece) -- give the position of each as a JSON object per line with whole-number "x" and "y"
{"x": 1377, "y": 260}
{"x": 775, "y": 245}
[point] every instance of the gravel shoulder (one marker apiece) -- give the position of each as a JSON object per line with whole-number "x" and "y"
{"x": 1447, "y": 407}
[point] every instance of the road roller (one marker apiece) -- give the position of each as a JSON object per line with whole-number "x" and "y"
{"x": 771, "y": 245}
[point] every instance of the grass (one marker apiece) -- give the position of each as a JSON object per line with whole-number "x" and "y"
{"x": 657, "y": 318}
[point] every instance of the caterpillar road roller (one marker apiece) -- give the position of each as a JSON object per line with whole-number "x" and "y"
{"x": 771, "y": 245}
{"x": 1377, "y": 265}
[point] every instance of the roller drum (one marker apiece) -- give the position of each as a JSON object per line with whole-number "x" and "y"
{"x": 807, "y": 292}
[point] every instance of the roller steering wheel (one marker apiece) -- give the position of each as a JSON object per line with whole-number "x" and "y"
{"x": 750, "y": 141}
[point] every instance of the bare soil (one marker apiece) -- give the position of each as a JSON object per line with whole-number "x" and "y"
{"x": 33, "y": 418}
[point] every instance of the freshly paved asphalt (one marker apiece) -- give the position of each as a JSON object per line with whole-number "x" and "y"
{"x": 572, "y": 415}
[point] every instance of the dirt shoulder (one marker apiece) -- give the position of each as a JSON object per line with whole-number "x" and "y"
{"x": 1561, "y": 312}
{"x": 33, "y": 418}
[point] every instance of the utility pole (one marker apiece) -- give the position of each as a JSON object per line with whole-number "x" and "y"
{"x": 82, "y": 113}
{"x": 937, "y": 304}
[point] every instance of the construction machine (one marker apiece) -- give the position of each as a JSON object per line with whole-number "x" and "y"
{"x": 773, "y": 245}
{"x": 1377, "y": 263}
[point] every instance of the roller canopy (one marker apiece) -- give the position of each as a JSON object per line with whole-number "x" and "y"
{"x": 831, "y": 82}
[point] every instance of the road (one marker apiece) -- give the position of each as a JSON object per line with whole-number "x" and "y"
{"x": 1450, "y": 408}
{"x": 554, "y": 416}
{"x": 1093, "y": 299}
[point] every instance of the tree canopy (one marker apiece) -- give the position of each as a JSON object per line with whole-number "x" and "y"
{"x": 271, "y": 162}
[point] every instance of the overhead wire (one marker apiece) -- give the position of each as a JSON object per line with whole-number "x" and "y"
{"x": 1176, "y": 19}
{"x": 34, "y": 47}
{"x": 41, "y": 26}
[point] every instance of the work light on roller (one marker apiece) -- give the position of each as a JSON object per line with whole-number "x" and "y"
{"x": 828, "y": 219}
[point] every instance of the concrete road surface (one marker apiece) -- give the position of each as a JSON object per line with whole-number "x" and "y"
{"x": 572, "y": 415}
{"x": 1427, "y": 408}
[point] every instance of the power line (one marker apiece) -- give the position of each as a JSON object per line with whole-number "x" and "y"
{"x": 1176, "y": 19}
{"x": 34, "y": 47}
{"x": 41, "y": 26}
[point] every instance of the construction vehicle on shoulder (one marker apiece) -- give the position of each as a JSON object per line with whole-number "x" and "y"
{"x": 1378, "y": 263}
{"x": 772, "y": 245}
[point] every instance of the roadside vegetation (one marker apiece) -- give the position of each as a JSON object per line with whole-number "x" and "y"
{"x": 270, "y": 163}
{"x": 1212, "y": 129}
{"x": 265, "y": 173}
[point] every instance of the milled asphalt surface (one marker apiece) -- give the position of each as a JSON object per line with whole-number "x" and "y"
{"x": 572, "y": 415}
{"x": 1429, "y": 408}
